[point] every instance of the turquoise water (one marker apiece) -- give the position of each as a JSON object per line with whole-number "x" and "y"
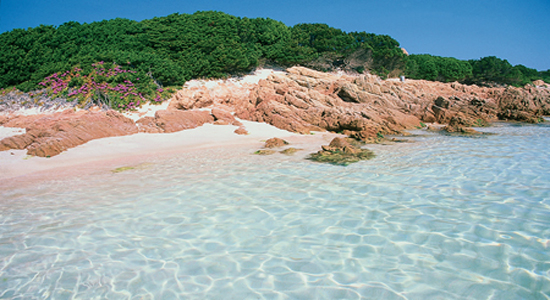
{"x": 441, "y": 218}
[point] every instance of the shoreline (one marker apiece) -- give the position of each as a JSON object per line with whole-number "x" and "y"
{"x": 107, "y": 154}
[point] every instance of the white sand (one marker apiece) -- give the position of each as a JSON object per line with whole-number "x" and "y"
{"x": 17, "y": 168}
{"x": 37, "y": 111}
{"x": 8, "y": 131}
{"x": 146, "y": 110}
{"x": 253, "y": 78}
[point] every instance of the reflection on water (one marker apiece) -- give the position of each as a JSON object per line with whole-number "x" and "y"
{"x": 441, "y": 218}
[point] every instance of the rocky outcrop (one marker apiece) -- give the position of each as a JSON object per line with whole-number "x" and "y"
{"x": 366, "y": 107}
{"x": 305, "y": 100}
{"x": 527, "y": 104}
{"x": 49, "y": 135}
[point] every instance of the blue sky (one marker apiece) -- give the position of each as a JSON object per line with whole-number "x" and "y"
{"x": 518, "y": 31}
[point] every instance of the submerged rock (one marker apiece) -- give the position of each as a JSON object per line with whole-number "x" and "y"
{"x": 265, "y": 152}
{"x": 275, "y": 142}
{"x": 458, "y": 124}
{"x": 341, "y": 152}
{"x": 290, "y": 151}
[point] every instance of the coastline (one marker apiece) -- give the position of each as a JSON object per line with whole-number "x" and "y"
{"x": 266, "y": 104}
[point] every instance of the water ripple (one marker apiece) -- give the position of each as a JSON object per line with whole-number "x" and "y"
{"x": 441, "y": 218}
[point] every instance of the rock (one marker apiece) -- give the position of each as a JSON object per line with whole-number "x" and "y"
{"x": 442, "y": 102}
{"x": 304, "y": 100}
{"x": 265, "y": 152}
{"x": 275, "y": 142}
{"x": 241, "y": 131}
{"x": 338, "y": 144}
{"x": 148, "y": 125}
{"x": 177, "y": 120}
{"x": 49, "y": 135}
{"x": 215, "y": 94}
{"x": 290, "y": 151}
{"x": 461, "y": 130}
{"x": 369, "y": 136}
{"x": 224, "y": 116}
{"x": 187, "y": 99}
{"x": 540, "y": 83}
{"x": 459, "y": 124}
{"x": 342, "y": 152}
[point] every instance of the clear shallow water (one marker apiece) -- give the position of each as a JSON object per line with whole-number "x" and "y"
{"x": 441, "y": 218}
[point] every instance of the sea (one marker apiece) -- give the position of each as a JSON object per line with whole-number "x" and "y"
{"x": 437, "y": 217}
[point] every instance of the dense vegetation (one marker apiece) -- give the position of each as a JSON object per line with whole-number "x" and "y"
{"x": 170, "y": 50}
{"x": 179, "y": 47}
{"x": 485, "y": 71}
{"x": 433, "y": 68}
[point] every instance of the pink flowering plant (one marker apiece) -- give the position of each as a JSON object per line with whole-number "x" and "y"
{"x": 106, "y": 84}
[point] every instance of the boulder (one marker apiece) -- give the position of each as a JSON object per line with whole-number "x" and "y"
{"x": 226, "y": 117}
{"x": 241, "y": 131}
{"x": 290, "y": 151}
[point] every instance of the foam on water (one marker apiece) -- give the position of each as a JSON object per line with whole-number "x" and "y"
{"x": 441, "y": 218}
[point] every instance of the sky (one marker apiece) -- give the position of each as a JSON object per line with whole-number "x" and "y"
{"x": 516, "y": 30}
